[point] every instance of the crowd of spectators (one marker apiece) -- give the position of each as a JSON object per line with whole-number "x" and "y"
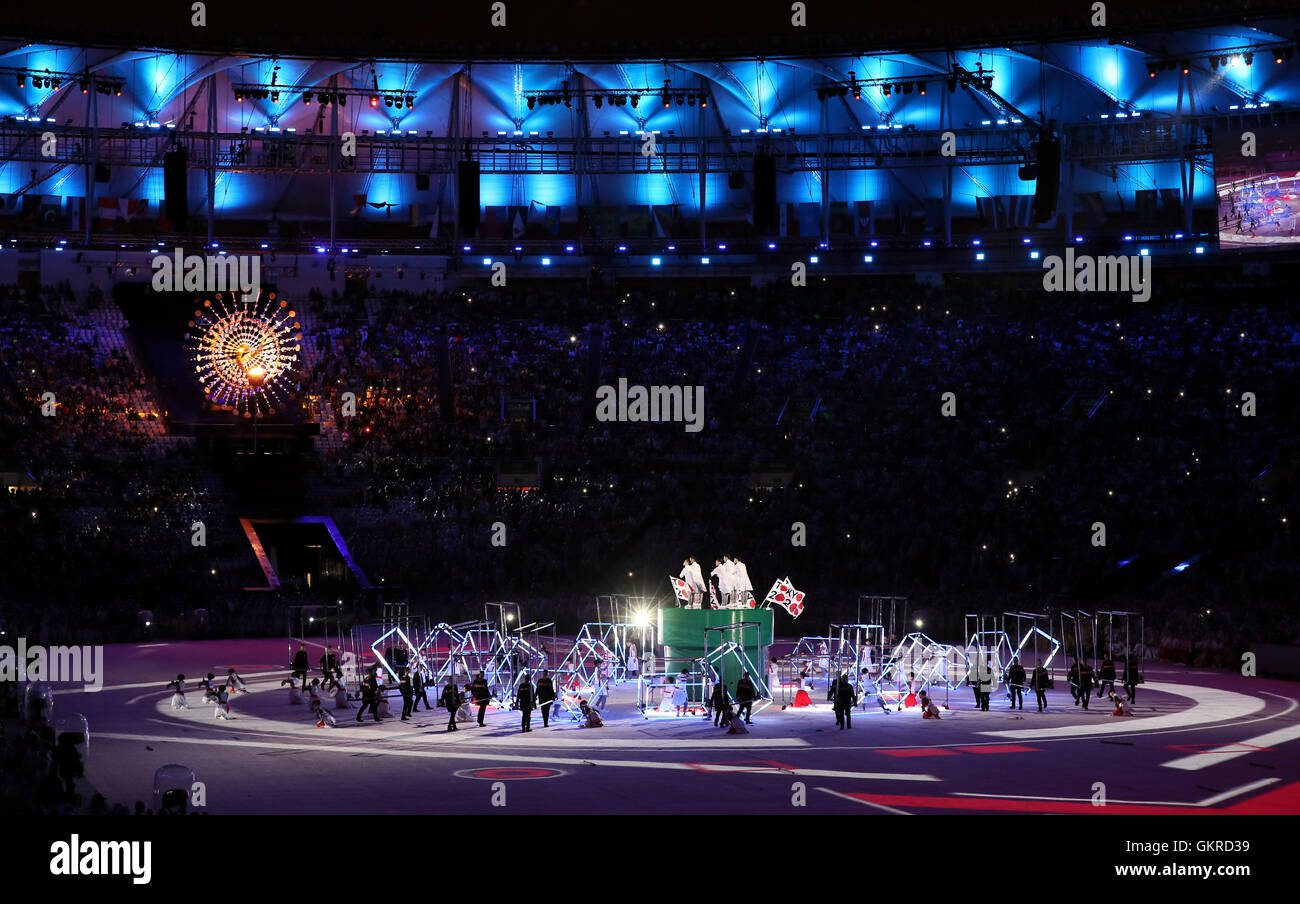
{"x": 1093, "y": 452}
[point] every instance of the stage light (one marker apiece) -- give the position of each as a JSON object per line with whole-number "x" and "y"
{"x": 920, "y": 87}
{"x": 532, "y": 102}
{"x": 907, "y": 87}
{"x": 690, "y": 100}
{"x": 239, "y": 97}
{"x": 410, "y": 101}
{"x": 275, "y": 97}
{"x": 597, "y": 100}
{"x": 85, "y": 86}
{"x": 306, "y": 98}
{"x": 1186, "y": 68}
{"x": 704, "y": 100}
{"x": 1248, "y": 56}
{"x": 22, "y": 81}
{"x": 118, "y": 92}
{"x": 885, "y": 90}
{"x": 388, "y": 100}
{"x": 374, "y": 100}
{"x": 1277, "y": 57}
{"x": 634, "y": 99}
{"x": 56, "y": 84}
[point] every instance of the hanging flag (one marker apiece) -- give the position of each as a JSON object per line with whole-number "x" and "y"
{"x": 862, "y": 222}
{"x": 681, "y": 589}
{"x": 784, "y": 594}
{"x": 713, "y": 595}
{"x": 360, "y": 201}
{"x": 517, "y": 226}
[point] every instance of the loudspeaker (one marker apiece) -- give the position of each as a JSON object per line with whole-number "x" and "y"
{"x": 467, "y": 209}
{"x": 175, "y": 188}
{"x": 1048, "y": 186}
{"x": 103, "y": 172}
{"x": 421, "y": 181}
{"x": 735, "y": 180}
{"x": 764, "y": 194}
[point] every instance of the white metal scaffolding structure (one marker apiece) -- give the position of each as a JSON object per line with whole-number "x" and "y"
{"x": 584, "y": 675}
{"x": 920, "y": 663}
{"x": 653, "y": 689}
{"x": 890, "y": 612}
{"x": 986, "y": 640}
{"x": 858, "y": 652}
{"x": 624, "y": 623}
{"x": 716, "y": 658}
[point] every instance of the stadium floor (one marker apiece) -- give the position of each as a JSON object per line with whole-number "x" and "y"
{"x": 1201, "y": 742}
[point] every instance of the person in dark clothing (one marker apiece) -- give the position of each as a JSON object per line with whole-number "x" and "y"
{"x": 1106, "y": 678}
{"x": 718, "y": 700}
{"x": 67, "y": 759}
{"x": 1040, "y": 682}
{"x": 1131, "y": 679}
{"x": 1072, "y": 676}
{"x": 482, "y": 695}
{"x": 369, "y": 696}
{"x": 417, "y": 689}
{"x": 328, "y": 663}
{"x": 408, "y": 695}
{"x": 844, "y": 701}
{"x": 745, "y": 698}
{"x": 1016, "y": 684}
{"x": 450, "y": 700}
{"x": 545, "y": 696}
{"x": 1085, "y": 683}
{"x": 299, "y": 664}
{"x": 526, "y": 697}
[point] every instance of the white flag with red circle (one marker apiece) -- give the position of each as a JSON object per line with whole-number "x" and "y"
{"x": 784, "y": 594}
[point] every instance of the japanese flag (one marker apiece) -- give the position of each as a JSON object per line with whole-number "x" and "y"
{"x": 784, "y": 594}
{"x": 681, "y": 588}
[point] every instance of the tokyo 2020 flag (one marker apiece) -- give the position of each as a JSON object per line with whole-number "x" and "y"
{"x": 681, "y": 588}
{"x": 784, "y": 594}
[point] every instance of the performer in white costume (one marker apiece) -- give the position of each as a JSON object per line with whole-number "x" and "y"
{"x": 688, "y": 576}
{"x": 723, "y": 572}
{"x": 699, "y": 584}
{"x": 744, "y": 589}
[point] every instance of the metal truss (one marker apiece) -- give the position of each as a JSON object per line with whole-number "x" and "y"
{"x": 918, "y": 663}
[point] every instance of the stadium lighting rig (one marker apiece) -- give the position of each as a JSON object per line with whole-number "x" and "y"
{"x": 54, "y": 81}
{"x": 615, "y": 97}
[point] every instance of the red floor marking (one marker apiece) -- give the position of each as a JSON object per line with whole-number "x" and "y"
{"x": 1218, "y": 748}
{"x": 919, "y": 751}
{"x": 760, "y": 766}
{"x": 1028, "y": 806}
{"x": 999, "y": 748}
{"x": 508, "y": 772}
{"x": 1283, "y": 801}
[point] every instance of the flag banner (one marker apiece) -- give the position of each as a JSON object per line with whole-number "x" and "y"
{"x": 1020, "y": 208}
{"x": 518, "y": 223}
{"x": 713, "y": 595}
{"x": 862, "y": 223}
{"x": 11, "y": 205}
{"x": 784, "y": 594}
{"x": 681, "y": 589}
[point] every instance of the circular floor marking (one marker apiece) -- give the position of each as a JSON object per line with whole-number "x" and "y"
{"x": 503, "y": 773}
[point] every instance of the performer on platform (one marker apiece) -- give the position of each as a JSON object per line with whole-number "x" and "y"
{"x": 450, "y": 700}
{"x": 1040, "y": 682}
{"x": 701, "y": 587}
{"x": 633, "y": 660}
{"x": 526, "y": 697}
{"x": 545, "y": 696}
{"x": 688, "y": 577}
{"x": 723, "y": 575}
{"x": 744, "y": 589}
{"x": 1016, "y": 684}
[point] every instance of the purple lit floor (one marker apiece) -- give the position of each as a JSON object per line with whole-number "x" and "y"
{"x": 1201, "y": 742}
